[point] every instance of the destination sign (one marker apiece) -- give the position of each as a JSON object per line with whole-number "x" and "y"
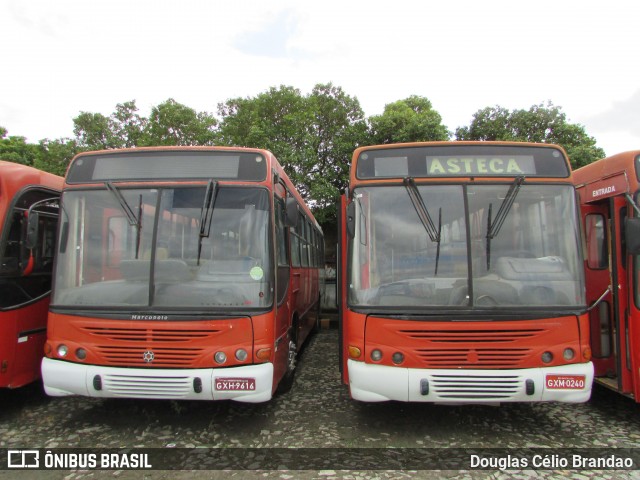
{"x": 481, "y": 159}
{"x": 467, "y": 166}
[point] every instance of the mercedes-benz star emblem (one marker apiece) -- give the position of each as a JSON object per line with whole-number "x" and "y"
{"x": 148, "y": 356}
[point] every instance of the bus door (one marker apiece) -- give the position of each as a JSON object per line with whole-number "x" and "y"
{"x": 606, "y": 269}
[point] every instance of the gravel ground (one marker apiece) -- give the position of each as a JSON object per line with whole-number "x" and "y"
{"x": 317, "y": 413}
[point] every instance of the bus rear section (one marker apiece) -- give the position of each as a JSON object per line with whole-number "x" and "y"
{"x": 461, "y": 278}
{"x": 28, "y": 197}
{"x": 167, "y": 280}
{"x": 608, "y": 191}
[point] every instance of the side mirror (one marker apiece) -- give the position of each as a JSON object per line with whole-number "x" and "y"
{"x": 291, "y": 218}
{"x": 33, "y": 221}
{"x": 351, "y": 219}
{"x": 632, "y": 235}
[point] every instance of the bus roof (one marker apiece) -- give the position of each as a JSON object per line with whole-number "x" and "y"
{"x": 15, "y": 176}
{"x": 621, "y": 163}
{"x": 458, "y": 159}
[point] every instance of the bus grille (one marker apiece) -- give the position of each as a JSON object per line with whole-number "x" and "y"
{"x": 468, "y": 348}
{"x": 150, "y": 334}
{"x": 162, "y": 357}
{"x": 480, "y": 357}
{"x": 484, "y": 336}
{"x": 139, "y": 386}
{"x": 476, "y": 387}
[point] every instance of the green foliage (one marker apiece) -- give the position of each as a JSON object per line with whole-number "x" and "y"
{"x": 172, "y": 123}
{"x": 16, "y": 149}
{"x": 54, "y": 155}
{"x": 410, "y": 120}
{"x": 541, "y": 124}
{"x": 312, "y": 136}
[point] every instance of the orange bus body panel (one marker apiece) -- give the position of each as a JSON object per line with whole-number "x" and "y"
{"x": 22, "y": 327}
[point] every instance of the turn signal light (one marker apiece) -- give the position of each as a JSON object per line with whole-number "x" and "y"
{"x": 47, "y": 349}
{"x": 354, "y": 352}
{"x": 263, "y": 354}
{"x": 586, "y": 353}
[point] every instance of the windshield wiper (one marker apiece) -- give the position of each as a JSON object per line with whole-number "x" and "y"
{"x": 494, "y": 226}
{"x": 133, "y": 219}
{"x": 206, "y": 214}
{"x": 424, "y": 216}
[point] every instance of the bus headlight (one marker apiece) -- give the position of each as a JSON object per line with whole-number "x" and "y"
{"x": 568, "y": 354}
{"x": 241, "y": 355}
{"x": 62, "y": 350}
{"x": 376, "y": 355}
{"x": 397, "y": 358}
{"x": 220, "y": 357}
{"x": 547, "y": 357}
{"x": 81, "y": 354}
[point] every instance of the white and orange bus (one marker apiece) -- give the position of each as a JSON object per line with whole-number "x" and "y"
{"x": 609, "y": 191}
{"x": 181, "y": 273}
{"x": 27, "y": 197}
{"x": 461, "y": 276}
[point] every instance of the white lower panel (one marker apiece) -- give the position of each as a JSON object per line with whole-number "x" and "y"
{"x": 251, "y": 383}
{"x": 379, "y": 383}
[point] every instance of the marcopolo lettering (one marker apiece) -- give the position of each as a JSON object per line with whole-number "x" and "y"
{"x": 149, "y": 317}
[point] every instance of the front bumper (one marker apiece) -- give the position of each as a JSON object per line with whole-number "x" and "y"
{"x": 250, "y": 383}
{"x": 379, "y": 383}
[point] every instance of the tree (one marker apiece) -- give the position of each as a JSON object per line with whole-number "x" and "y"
{"x": 16, "y": 149}
{"x": 312, "y": 136}
{"x": 541, "y": 124}
{"x": 410, "y": 120}
{"x": 172, "y": 123}
{"x": 94, "y": 131}
{"x": 54, "y": 155}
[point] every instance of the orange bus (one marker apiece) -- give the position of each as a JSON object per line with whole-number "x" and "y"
{"x": 27, "y": 195}
{"x": 461, "y": 276}
{"x": 608, "y": 191}
{"x": 181, "y": 273}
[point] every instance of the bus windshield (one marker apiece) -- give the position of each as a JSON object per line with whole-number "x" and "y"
{"x": 146, "y": 247}
{"x": 489, "y": 245}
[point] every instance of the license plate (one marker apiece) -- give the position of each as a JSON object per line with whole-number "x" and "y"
{"x": 235, "y": 384}
{"x": 565, "y": 382}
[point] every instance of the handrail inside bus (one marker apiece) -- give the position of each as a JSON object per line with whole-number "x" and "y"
{"x": 633, "y": 204}
{"x": 600, "y": 299}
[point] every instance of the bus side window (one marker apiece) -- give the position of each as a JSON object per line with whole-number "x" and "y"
{"x": 281, "y": 252}
{"x": 597, "y": 255}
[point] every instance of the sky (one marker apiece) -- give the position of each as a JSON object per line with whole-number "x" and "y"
{"x": 64, "y": 57}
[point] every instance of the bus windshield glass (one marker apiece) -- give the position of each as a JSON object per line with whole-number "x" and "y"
{"x": 145, "y": 247}
{"x": 480, "y": 253}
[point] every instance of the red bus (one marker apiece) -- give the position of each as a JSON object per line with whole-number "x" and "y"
{"x": 608, "y": 191}
{"x": 461, "y": 276}
{"x": 181, "y": 273}
{"x": 27, "y": 195}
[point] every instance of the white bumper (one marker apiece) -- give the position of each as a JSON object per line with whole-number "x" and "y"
{"x": 251, "y": 383}
{"x": 380, "y": 383}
